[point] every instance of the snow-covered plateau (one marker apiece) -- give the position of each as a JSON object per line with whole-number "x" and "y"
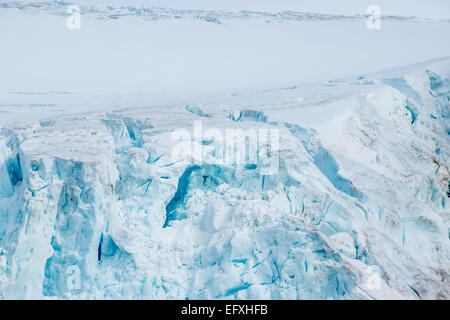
{"x": 96, "y": 204}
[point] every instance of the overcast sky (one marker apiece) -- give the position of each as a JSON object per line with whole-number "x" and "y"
{"x": 421, "y": 8}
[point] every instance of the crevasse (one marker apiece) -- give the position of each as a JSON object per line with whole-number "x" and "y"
{"x": 94, "y": 207}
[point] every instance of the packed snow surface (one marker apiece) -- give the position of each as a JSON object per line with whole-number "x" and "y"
{"x": 94, "y": 203}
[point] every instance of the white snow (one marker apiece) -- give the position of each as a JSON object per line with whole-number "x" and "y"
{"x": 92, "y": 204}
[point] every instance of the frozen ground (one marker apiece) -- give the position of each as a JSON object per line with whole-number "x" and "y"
{"x": 94, "y": 205}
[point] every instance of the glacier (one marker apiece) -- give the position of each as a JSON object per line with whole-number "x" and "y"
{"x": 93, "y": 204}
{"x": 363, "y": 184}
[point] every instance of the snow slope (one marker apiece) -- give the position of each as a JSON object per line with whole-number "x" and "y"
{"x": 94, "y": 203}
{"x": 155, "y": 53}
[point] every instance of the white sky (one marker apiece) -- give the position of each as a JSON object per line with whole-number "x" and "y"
{"x": 421, "y": 8}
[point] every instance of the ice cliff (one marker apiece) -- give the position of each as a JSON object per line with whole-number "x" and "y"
{"x": 92, "y": 205}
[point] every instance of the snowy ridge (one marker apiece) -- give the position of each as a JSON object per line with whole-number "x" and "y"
{"x": 361, "y": 192}
{"x": 212, "y": 16}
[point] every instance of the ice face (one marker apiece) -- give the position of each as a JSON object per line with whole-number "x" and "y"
{"x": 92, "y": 206}
{"x": 345, "y": 198}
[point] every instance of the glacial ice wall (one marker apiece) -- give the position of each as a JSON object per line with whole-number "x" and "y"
{"x": 93, "y": 205}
